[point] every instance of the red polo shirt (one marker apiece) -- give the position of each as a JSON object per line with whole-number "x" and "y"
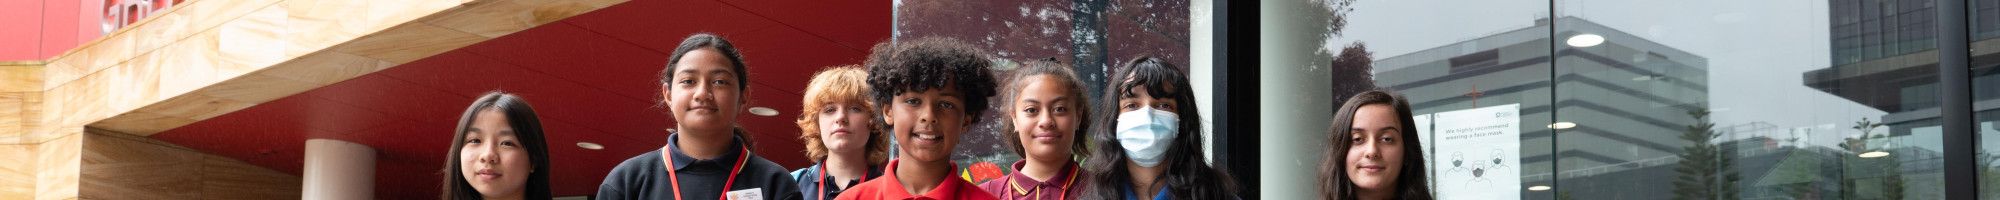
{"x": 1017, "y": 186}
{"x": 888, "y": 187}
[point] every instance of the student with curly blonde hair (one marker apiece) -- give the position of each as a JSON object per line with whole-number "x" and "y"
{"x": 839, "y": 129}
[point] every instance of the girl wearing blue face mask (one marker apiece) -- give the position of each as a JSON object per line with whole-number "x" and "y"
{"x": 1151, "y": 149}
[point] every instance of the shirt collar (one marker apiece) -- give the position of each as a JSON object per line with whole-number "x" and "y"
{"x": 1129, "y": 195}
{"x": 1061, "y": 177}
{"x": 683, "y": 161}
{"x": 871, "y": 173}
{"x": 946, "y": 188}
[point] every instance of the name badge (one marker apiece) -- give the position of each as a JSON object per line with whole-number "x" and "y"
{"x": 747, "y": 194}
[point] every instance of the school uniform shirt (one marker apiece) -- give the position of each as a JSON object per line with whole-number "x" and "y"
{"x": 810, "y": 179}
{"x": 1064, "y": 185}
{"x": 887, "y": 187}
{"x": 645, "y": 176}
{"x": 1129, "y": 195}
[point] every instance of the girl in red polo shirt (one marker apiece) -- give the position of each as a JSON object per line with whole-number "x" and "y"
{"x": 1044, "y": 103}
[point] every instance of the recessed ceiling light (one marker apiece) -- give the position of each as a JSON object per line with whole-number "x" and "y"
{"x": 1875, "y": 154}
{"x": 1562, "y": 125}
{"x": 1539, "y": 188}
{"x": 589, "y": 145}
{"x": 1585, "y": 40}
{"x": 763, "y": 111}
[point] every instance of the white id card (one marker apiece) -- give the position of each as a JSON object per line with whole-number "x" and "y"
{"x": 747, "y": 194}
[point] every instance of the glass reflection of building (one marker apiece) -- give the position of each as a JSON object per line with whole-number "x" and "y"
{"x": 1884, "y": 57}
{"x": 1623, "y": 103}
{"x": 1624, "y": 100}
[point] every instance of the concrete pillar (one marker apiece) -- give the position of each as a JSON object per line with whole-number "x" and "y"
{"x": 1291, "y": 136}
{"x": 338, "y": 170}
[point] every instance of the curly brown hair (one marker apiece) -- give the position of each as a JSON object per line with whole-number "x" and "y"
{"x": 926, "y": 63}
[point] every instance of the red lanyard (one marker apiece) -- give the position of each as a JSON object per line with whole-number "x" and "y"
{"x": 822, "y": 180}
{"x": 1064, "y": 195}
{"x": 676, "y": 180}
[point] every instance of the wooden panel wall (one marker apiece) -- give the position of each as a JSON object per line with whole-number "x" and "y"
{"x": 122, "y": 166}
{"x": 17, "y": 173}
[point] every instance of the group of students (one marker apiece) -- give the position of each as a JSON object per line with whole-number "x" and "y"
{"x": 1141, "y": 141}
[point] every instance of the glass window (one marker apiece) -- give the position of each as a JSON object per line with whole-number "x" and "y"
{"x": 1985, "y": 45}
{"x": 1754, "y": 114}
{"x": 1475, "y": 67}
{"x": 1832, "y": 99}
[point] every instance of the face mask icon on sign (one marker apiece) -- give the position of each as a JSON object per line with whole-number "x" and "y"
{"x": 1457, "y": 163}
{"x": 1479, "y": 179}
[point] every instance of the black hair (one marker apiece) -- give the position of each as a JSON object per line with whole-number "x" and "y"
{"x": 1061, "y": 72}
{"x": 708, "y": 40}
{"x": 527, "y": 128}
{"x": 927, "y": 63}
{"x": 1333, "y": 180}
{"x": 700, "y": 41}
{"x": 1187, "y": 175}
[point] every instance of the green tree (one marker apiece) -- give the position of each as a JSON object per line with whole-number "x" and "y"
{"x": 1989, "y": 181}
{"x": 1891, "y": 184}
{"x": 1352, "y": 68}
{"x": 1705, "y": 170}
{"x": 1351, "y": 72}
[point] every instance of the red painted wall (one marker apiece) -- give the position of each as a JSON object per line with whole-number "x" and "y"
{"x": 43, "y": 29}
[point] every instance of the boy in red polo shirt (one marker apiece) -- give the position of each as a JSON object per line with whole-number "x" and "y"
{"x": 930, "y": 90}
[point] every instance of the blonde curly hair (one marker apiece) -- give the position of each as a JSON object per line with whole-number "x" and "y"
{"x": 840, "y": 85}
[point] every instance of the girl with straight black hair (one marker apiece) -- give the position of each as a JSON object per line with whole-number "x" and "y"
{"x": 497, "y": 152}
{"x": 707, "y": 155}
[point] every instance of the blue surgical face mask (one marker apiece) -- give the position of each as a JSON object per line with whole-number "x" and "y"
{"x": 1146, "y": 133}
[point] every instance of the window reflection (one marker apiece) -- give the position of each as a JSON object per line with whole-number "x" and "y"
{"x": 1985, "y": 44}
{"x": 1833, "y": 99}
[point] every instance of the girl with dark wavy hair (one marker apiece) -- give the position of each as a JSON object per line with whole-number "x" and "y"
{"x": 1150, "y": 147}
{"x": 1374, "y": 154}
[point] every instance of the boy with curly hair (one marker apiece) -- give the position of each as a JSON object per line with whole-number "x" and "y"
{"x": 930, "y": 91}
